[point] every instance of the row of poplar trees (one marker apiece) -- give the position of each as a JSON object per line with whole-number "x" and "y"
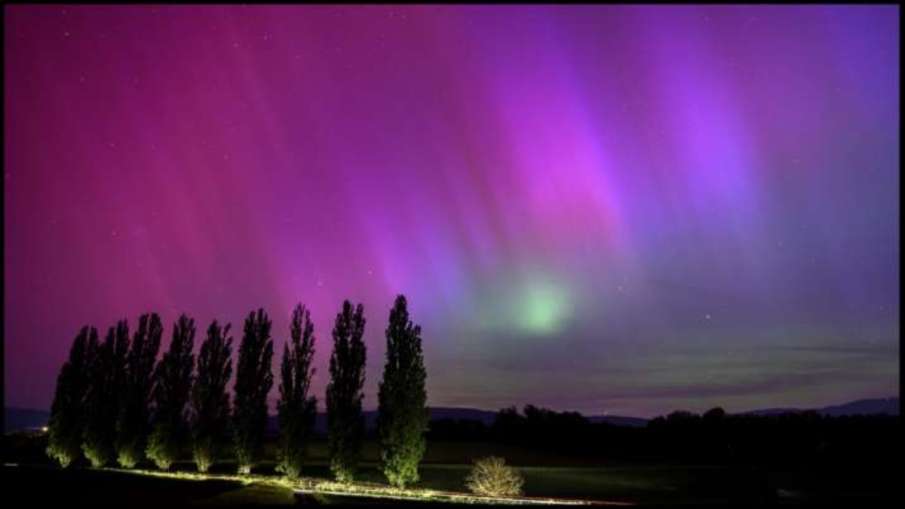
{"x": 115, "y": 401}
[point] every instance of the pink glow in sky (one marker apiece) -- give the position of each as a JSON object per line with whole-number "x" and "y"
{"x": 597, "y": 208}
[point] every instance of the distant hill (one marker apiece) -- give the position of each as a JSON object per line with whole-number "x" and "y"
{"x": 889, "y": 406}
{"x": 487, "y": 417}
{"x": 875, "y": 406}
{"x": 618, "y": 420}
{"x": 17, "y": 419}
{"x": 772, "y": 411}
{"x": 25, "y": 418}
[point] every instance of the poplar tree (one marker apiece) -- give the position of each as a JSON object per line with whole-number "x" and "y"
{"x": 296, "y": 408}
{"x": 132, "y": 426}
{"x": 173, "y": 384}
{"x": 345, "y": 421}
{"x": 66, "y": 424}
{"x": 210, "y": 400}
{"x": 102, "y": 396}
{"x": 402, "y": 399}
{"x": 253, "y": 382}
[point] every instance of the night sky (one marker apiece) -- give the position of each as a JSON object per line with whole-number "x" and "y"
{"x": 624, "y": 210}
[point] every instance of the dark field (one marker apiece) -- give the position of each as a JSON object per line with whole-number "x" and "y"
{"x": 641, "y": 482}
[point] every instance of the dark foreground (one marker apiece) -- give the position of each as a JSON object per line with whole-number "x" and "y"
{"x": 46, "y": 486}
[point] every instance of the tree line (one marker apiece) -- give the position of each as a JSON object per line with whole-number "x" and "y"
{"x": 714, "y": 437}
{"x": 115, "y": 402}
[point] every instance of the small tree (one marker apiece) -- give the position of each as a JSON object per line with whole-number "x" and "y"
{"x": 103, "y": 396}
{"x": 253, "y": 382}
{"x": 133, "y": 424}
{"x": 345, "y": 421}
{"x": 210, "y": 401}
{"x": 402, "y": 412}
{"x": 66, "y": 425}
{"x": 492, "y": 477}
{"x": 173, "y": 383}
{"x": 296, "y": 408}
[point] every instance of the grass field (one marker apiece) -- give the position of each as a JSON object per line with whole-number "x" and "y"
{"x": 445, "y": 468}
{"x": 627, "y": 484}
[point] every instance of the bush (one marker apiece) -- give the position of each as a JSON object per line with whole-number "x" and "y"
{"x": 491, "y": 476}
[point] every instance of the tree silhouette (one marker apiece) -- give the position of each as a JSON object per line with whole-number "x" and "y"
{"x": 173, "y": 383}
{"x": 66, "y": 423}
{"x": 402, "y": 399}
{"x": 133, "y": 423}
{"x": 210, "y": 400}
{"x": 102, "y": 396}
{"x": 345, "y": 422}
{"x": 253, "y": 382}
{"x": 296, "y": 408}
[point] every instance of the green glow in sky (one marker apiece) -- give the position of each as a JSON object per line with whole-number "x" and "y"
{"x": 529, "y": 303}
{"x": 541, "y": 307}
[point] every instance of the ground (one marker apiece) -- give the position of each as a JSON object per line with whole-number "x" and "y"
{"x": 643, "y": 483}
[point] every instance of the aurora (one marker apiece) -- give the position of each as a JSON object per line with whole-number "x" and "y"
{"x": 609, "y": 209}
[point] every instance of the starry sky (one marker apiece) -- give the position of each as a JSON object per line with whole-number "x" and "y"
{"x": 609, "y": 209}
